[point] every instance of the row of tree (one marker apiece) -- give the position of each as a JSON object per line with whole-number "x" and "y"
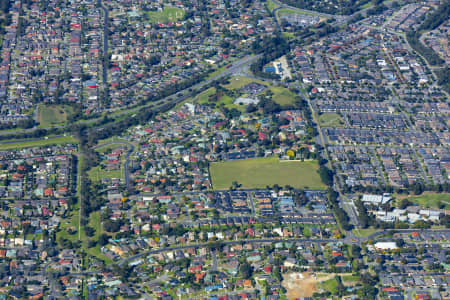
{"x": 433, "y": 21}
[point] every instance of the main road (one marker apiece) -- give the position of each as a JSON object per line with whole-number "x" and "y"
{"x": 348, "y": 240}
{"x": 173, "y": 99}
{"x": 200, "y": 245}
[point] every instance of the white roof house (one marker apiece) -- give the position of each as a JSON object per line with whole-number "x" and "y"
{"x": 376, "y": 199}
{"x": 386, "y": 246}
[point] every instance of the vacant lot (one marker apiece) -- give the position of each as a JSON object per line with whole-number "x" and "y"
{"x": 301, "y": 285}
{"x": 49, "y": 115}
{"x": 260, "y": 172}
{"x": 169, "y": 14}
{"x": 331, "y": 120}
{"x": 282, "y": 95}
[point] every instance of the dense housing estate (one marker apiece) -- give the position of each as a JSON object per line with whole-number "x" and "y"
{"x": 224, "y": 149}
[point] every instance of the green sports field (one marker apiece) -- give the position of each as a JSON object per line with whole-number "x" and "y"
{"x": 260, "y": 172}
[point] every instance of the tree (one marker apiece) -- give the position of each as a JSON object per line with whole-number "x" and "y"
{"x": 245, "y": 269}
{"x": 103, "y": 239}
{"x": 326, "y": 175}
{"x": 89, "y": 231}
{"x": 404, "y": 203}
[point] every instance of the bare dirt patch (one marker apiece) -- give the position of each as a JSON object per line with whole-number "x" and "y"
{"x": 300, "y": 285}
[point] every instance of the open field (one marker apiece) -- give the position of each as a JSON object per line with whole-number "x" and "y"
{"x": 288, "y": 11}
{"x": 217, "y": 71}
{"x": 204, "y": 96}
{"x": 225, "y": 100}
{"x": 169, "y": 14}
{"x": 260, "y": 172}
{"x": 329, "y": 285}
{"x": 364, "y": 232}
{"x": 98, "y": 173}
{"x": 349, "y": 279}
{"x": 236, "y": 82}
{"x": 331, "y": 120}
{"x": 112, "y": 139}
{"x": 109, "y": 148}
{"x": 43, "y": 142}
{"x": 430, "y": 200}
{"x": 49, "y": 115}
{"x": 282, "y": 95}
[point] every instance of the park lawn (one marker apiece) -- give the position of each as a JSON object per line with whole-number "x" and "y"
{"x": 216, "y": 72}
{"x": 70, "y": 220}
{"x": 331, "y": 120}
{"x": 289, "y": 35}
{"x": 43, "y": 142}
{"x": 169, "y": 14}
{"x": 370, "y": 4}
{"x": 108, "y": 148}
{"x": 49, "y": 115}
{"x": 225, "y": 100}
{"x": 349, "y": 279}
{"x": 432, "y": 200}
{"x": 367, "y": 5}
{"x": 282, "y": 95}
{"x": 307, "y": 232}
{"x": 237, "y": 82}
{"x": 203, "y": 97}
{"x": 288, "y": 11}
{"x": 97, "y": 173}
{"x": 271, "y": 5}
{"x": 330, "y": 285}
{"x": 364, "y": 232}
{"x": 111, "y": 139}
{"x": 261, "y": 172}
{"x": 95, "y": 222}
